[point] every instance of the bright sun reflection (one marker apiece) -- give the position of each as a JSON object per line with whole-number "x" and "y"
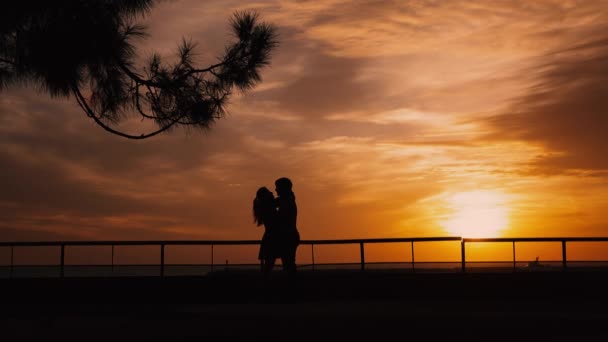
{"x": 476, "y": 214}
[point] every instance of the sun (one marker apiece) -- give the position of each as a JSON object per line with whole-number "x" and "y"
{"x": 476, "y": 214}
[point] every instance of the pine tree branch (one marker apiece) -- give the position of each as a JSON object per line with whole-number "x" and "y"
{"x": 83, "y": 104}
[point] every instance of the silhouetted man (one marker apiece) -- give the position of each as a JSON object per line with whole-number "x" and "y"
{"x": 287, "y": 218}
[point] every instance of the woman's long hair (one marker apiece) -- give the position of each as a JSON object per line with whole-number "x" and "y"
{"x": 263, "y": 204}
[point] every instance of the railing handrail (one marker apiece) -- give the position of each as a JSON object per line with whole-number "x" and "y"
{"x": 537, "y": 239}
{"x": 129, "y": 243}
{"x": 381, "y": 240}
{"x": 305, "y": 242}
{"x": 218, "y": 242}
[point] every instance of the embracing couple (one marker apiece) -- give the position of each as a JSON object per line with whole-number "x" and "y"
{"x": 278, "y": 215}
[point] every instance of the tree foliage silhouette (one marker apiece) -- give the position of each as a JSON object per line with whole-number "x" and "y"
{"x": 84, "y": 49}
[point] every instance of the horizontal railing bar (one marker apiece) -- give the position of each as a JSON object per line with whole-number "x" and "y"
{"x": 349, "y": 241}
{"x": 130, "y": 265}
{"x": 537, "y": 239}
{"x": 303, "y": 242}
{"x": 129, "y": 243}
{"x": 407, "y": 263}
{"x": 216, "y": 242}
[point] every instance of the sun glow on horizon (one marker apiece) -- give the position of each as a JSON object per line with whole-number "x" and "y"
{"x": 476, "y": 214}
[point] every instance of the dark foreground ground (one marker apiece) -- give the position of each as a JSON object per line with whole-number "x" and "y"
{"x": 372, "y": 306}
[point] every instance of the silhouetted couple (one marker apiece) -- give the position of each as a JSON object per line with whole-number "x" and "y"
{"x": 278, "y": 215}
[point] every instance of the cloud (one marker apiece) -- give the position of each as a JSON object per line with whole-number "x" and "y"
{"x": 565, "y": 111}
{"x": 326, "y": 85}
{"x": 381, "y": 28}
{"x": 342, "y": 58}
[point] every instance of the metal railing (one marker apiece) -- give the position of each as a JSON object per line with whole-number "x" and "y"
{"x": 562, "y": 240}
{"x": 361, "y": 242}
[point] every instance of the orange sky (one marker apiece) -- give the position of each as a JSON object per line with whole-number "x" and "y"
{"x": 392, "y": 118}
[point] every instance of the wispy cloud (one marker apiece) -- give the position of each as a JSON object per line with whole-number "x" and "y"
{"x": 565, "y": 111}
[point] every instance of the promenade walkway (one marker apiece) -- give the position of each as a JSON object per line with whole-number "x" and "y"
{"x": 532, "y": 306}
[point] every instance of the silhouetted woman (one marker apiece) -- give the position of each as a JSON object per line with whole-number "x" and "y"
{"x": 265, "y": 213}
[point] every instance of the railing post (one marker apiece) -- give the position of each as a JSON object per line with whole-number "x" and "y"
{"x": 312, "y": 252}
{"x": 514, "y": 267}
{"x": 462, "y": 255}
{"x": 211, "y": 257}
{"x": 10, "y": 275}
{"x": 413, "y": 263}
{"x": 112, "y": 259}
{"x": 162, "y": 259}
{"x": 564, "y": 260}
{"x": 62, "y": 261}
{"x": 362, "y": 250}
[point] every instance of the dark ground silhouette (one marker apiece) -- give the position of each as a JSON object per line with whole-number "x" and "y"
{"x": 544, "y": 306}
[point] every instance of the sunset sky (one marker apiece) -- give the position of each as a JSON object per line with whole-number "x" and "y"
{"x": 392, "y": 118}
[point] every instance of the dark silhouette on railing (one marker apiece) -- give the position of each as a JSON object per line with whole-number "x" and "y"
{"x": 287, "y": 213}
{"x": 63, "y": 245}
{"x": 85, "y": 49}
{"x": 265, "y": 213}
{"x": 279, "y": 218}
